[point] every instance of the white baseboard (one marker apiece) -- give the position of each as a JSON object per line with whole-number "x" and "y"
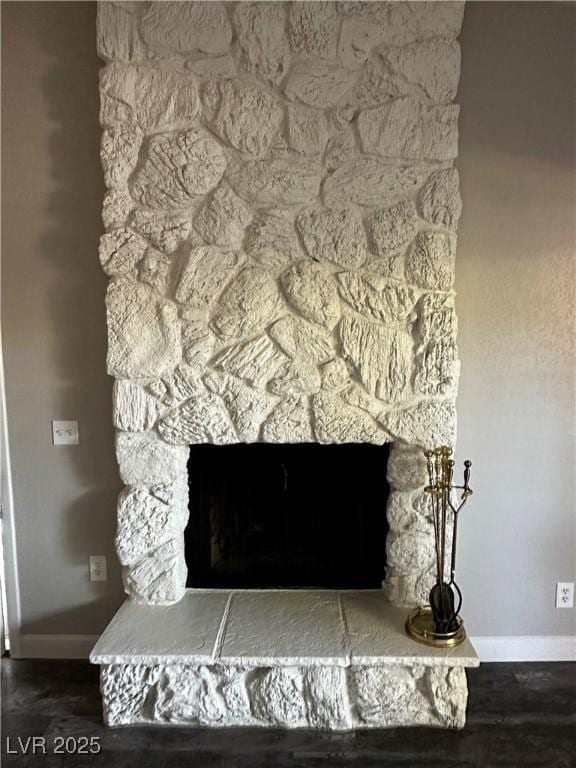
{"x": 526, "y": 648}
{"x": 511, "y": 648}
{"x": 56, "y": 646}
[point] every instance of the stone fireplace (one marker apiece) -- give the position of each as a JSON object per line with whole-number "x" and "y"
{"x": 280, "y": 218}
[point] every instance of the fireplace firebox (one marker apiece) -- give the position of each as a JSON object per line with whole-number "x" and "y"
{"x": 287, "y": 516}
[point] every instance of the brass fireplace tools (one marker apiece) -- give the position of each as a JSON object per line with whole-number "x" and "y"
{"x": 439, "y": 624}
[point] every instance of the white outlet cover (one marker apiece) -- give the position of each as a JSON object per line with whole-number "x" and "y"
{"x": 98, "y": 568}
{"x": 65, "y": 433}
{"x": 565, "y": 594}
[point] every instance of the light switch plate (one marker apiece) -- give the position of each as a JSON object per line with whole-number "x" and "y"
{"x": 65, "y": 433}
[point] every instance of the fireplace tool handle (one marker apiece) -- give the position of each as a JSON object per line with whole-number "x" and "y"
{"x": 466, "y": 492}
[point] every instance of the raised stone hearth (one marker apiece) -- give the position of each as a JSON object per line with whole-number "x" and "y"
{"x": 295, "y": 659}
{"x": 280, "y": 215}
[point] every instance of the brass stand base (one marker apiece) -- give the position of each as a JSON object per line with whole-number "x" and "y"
{"x": 420, "y": 626}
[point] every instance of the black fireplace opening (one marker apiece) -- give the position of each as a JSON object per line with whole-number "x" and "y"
{"x": 287, "y": 516}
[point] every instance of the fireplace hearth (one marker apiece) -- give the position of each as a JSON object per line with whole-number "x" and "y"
{"x": 287, "y": 516}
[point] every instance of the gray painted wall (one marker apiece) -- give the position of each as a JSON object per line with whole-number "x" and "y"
{"x": 53, "y": 327}
{"x": 515, "y": 282}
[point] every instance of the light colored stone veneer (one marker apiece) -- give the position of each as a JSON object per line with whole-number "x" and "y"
{"x": 280, "y": 238}
{"x": 327, "y": 698}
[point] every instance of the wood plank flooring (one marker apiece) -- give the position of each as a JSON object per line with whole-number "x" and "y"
{"x": 519, "y": 716}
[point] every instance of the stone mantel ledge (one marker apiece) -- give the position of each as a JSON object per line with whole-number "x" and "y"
{"x": 260, "y": 628}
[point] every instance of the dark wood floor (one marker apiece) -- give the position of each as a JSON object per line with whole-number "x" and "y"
{"x": 520, "y": 716}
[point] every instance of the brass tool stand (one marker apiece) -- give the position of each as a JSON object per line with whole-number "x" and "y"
{"x": 439, "y": 624}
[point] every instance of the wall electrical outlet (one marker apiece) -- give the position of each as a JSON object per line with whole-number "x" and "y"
{"x": 65, "y": 433}
{"x": 565, "y": 594}
{"x": 98, "y": 568}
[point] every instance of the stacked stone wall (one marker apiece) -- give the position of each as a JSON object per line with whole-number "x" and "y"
{"x": 280, "y": 218}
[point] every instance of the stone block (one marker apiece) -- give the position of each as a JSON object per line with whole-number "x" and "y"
{"x": 439, "y": 200}
{"x": 381, "y": 354}
{"x": 154, "y": 270}
{"x": 271, "y": 239}
{"x": 256, "y": 360}
{"x": 407, "y": 22}
{"x": 159, "y": 578}
{"x": 203, "y": 419}
{"x": 262, "y": 47}
{"x": 357, "y": 39}
{"x": 311, "y": 290}
{"x": 213, "y": 66}
{"x": 144, "y": 523}
{"x": 144, "y": 459}
{"x": 296, "y": 377}
{"x": 313, "y": 28}
{"x": 341, "y": 148}
{"x": 134, "y": 410}
{"x": 247, "y": 118}
{"x": 436, "y": 318}
{"x": 407, "y": 511}
{"x": 433, "y": 66}
{"x": 392, "y": 229}
{"x": 377, "y": 298}
{"x": 430, "y": 20}
{"x": 298, "y": 338}
{"x": 167, "y": 231}
{"x": 285, "y": 181}
{"x": 334, "y": 235}
{"x": 431, "y": 260}
{"x": 427, "y": 425}
{"x": 317, "y": 83}
{"x": 117, "y": 34}
{"x": 406, "y": 469}
{"x": 406, "y": 129}
{"x": 120, "y": 251}
{"x": 247, "y": 306}
{"x": 375, "y": 84}
{"x": 197, "y": 338}
{"x": 119, "y": 149}
{"x": 223, "y": 218}
{"x": 182, "y": 28}
{"x": 177, "y": 169}
{"x": 116, "y": 208}
{"x": 334, "y": 375}
{"x": 411, "y": 550}
{"x": 143, "y": 331}
{"x": 307, "y": 130}
{"x": 289, "y": 422}
{"x": 371, "y": 182}
{"x": 336, "y": 421}
{"x": 152, "y": 97}
{"x": 246, "y": 405}
{"x": 205, "y": 275}
{"x": 181, "y": 384}
{"x": 437, "y": 368}
{"x": 391, "y": 697}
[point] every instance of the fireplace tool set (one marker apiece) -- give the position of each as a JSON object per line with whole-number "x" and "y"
{"x": 439, "y": 623}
